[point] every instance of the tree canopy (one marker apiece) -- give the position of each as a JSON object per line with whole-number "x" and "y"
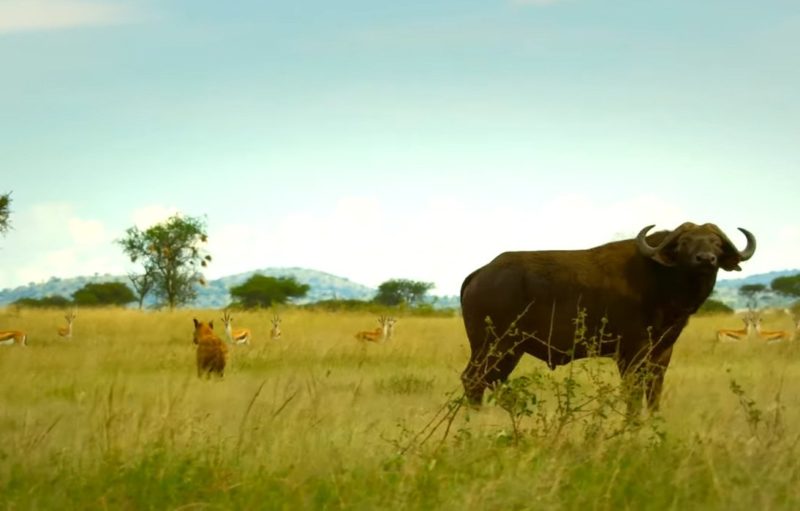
{"x": 53, "y": 301}
{"x": 262, "y": 291}
{"x": 5, "y": 212}
{"x": 787, "y": 286}
{"x": 753, "y": 292}
{"x": 172, "y": 253}
{"x": 105, "y": 293}
{"x": 402, "y": 292}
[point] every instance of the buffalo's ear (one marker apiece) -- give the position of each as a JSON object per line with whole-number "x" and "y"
{"x": 665, "y": 250}
{"x": 729, "y": 261}
{"x": 730, "y": 258}
{"x": 196, "y": 323}
{"x": 665, "y": 257}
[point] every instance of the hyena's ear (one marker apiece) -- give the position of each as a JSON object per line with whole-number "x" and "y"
{"x": 211, "y": 324}
{"x": 196, "y": 323}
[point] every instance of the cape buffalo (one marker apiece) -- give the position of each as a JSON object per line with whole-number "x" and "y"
{"x": 630, "y": 299}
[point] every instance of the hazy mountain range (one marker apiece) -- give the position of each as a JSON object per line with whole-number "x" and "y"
{"x": 215, "y": 294}
{"x": 325, "y": 286}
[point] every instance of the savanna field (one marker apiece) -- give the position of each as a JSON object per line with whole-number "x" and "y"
{"x": 116, "y": 418}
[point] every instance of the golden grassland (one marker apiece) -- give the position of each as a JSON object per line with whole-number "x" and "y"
{"x": 116, "y": 418}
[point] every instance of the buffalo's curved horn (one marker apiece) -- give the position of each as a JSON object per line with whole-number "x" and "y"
{"x": 648, "y": 251}
{"x": 750, "y": 249}
{"x": 641, "y": 243}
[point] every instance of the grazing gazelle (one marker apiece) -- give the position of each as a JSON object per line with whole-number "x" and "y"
{"x": 211, "y": 351}
{"x": 380, "y": 334}
{"x": 730, "y": 335}
{"x": 66, "y": 331}
{"x": 10, "y": 337}
{"x": 771, "y": 336}
{"x": 238, "y": 336}
{"x": 275, "y": 331}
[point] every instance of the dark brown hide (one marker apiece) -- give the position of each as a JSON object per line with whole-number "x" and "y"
{"x": 635, "y": 305}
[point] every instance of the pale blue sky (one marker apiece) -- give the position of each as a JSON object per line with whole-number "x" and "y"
{"x": 406, "y": 139}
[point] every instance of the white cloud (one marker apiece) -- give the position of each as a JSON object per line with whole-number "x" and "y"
{"x": 148, "y": 216}
{"x": 24, "y": 15}
{"x": 56, "y": 241}
{"x": 87, "y": 233}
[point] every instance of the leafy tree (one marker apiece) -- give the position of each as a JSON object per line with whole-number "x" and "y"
{"x": 5, "y": 212}
{"x": 142, "y": 285}
{"x": 787, "y": 286}
{"x": 402, "y": 292}
{"x": 262, "y": 291}
{"x": 106, "y": 293}
{"x": 752, "y": 292}
{"x": 53, "y": 301}
{"x": 172, "y": 254}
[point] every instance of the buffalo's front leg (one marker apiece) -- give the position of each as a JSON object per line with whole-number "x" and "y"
{"x": 644, "y": 378}
{"x": 655, "y": 380}
{"x": 487, "y": 367}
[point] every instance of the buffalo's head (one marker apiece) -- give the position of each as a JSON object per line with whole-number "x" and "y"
{"x": 700, "y": 247}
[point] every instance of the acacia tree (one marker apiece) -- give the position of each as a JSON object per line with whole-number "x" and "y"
{"x": 262, "y": 291}
{"x": 172, "y": 254}
{"x": 752, "y": 292}
{"x": 5, "y": 212}
{"x": 103, "y": 293}
{"x": 787, "y": 286}
{"x": 402, "y": 291}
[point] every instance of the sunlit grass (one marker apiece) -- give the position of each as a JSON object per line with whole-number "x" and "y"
{"x": 117, "y": 418}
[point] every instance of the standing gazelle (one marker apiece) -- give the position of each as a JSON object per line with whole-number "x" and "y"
{"x": 771, "y": 336}
{"x": 66, "y": 331}
{"x": 238, "y": 336}
{"x": 380, "y": 334}
{"x": 10, "y": 337}
{"x": 275, "y": 331}
{"x": 731, "y": 335}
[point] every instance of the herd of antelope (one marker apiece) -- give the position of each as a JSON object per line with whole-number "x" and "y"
{"x": 212, "y": 352}
{"x": 752, "y": 330}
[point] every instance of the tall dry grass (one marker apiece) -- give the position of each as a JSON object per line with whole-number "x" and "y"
{"x": 116, "y": 418}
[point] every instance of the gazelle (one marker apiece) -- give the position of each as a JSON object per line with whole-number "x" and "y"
{"x": 11, "y": 337}
{"x": 66, "y": 331}
{"x": 731, "y": 335}
{"x": 771, "y": 336}
{"x": 380, "y": 334}
{"x": 275, "y": 331}
{"x": 238, "y": 336}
